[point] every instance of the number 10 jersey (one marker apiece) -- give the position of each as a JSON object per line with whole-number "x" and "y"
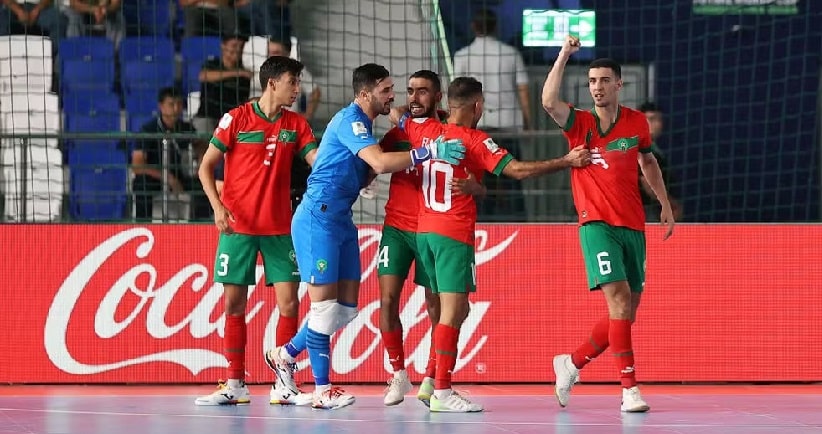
{"x": 441, "y": 211}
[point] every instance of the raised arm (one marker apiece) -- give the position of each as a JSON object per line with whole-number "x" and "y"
{"x": 558, "y": 110}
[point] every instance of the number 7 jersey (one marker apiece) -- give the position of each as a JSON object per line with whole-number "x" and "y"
{"x": 441, "y": 212}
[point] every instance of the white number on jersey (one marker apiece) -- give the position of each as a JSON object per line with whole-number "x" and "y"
{"x": 431, "y": 186}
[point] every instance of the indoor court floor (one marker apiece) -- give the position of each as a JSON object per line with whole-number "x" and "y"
{"x": 516, "y": 409}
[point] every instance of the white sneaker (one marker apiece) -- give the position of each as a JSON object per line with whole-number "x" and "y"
{"x": 398, "y": 386}
{"x": 225, "y": 395}
{"x": 632, "y": 401}
{"x": 331, "y": 398}
{"x": 284, "y": 370}
{"x": 454, "y": 403}
{"x": 567, "y": 374}
{"x": 426, "y": 390}
{"x": 283, "y": 396}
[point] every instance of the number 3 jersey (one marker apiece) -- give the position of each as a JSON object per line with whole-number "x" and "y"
{"x": 607, "y": 190}
{"x": 258, "y": 155}
{"x": 441, "y": 211}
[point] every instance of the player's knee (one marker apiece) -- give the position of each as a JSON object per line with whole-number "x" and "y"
{"x": 345, "y": 314}
{"x": 323, "y": 317}
{"x": 289, "y": 308}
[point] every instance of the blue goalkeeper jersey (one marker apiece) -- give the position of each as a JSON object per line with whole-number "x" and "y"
{"x": 339, "y": 173}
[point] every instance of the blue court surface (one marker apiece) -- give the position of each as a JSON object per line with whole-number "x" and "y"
{"x": 516, "y": 409}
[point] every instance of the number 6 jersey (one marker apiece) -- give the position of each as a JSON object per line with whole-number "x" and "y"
{"x": 258, "y": 155}
{"x": 441, "y": 212}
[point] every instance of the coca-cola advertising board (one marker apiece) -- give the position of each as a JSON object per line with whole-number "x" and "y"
{"x": 136, "y": 304}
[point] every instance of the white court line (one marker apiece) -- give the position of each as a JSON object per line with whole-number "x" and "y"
{"x": 444, "y": 422}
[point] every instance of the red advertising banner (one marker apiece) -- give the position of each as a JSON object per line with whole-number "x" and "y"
{"x": 136, "y": 304}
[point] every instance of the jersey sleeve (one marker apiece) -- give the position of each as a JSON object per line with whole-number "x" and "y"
{"x": 645, "y": 142}
{"x": 306, "y": 142}
{"x": 354, "y": 134}
{"x": 488, "y": 154}
{"x": 577, "y": 128}
{"x": 226, "y": 132}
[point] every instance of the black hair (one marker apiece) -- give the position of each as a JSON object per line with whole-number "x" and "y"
{"x": 463, "y": 89}
{"x": 367, "y": 76}
{"x": 168, "y": 92}
{"x": 607, "y": 63}
{"x": 430, "y": 76}
{"x": 485, "y": 22}
{"x": 649, "y": 106}
{"x": 276, "y": 66}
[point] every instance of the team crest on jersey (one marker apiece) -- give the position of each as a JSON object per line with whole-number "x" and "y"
{"x": 287, "y": 136}
{"x": 322, "y": 265}
{"x": 623, "y": 144}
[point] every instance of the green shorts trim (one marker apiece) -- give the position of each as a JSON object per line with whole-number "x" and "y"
{"x": 236, "y": 260}
{"x": 449, "y": 262}
{"x": 398, "y": 249}
{"x": 613, "y": 254}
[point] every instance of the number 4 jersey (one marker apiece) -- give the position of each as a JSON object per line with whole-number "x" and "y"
{"x": 258, "y": 155}
{"x": 441, "y": 212}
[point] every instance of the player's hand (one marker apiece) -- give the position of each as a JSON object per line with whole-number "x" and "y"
{"x": 579, "y": 156}
{"x": 667, "y": 219}
{"x": 223, "y": 219}
{"x": 451, "y": 151}
{"x": 571, "y": 45}
{"x": 467, "y": 186}
{"x": 396, "y": 114}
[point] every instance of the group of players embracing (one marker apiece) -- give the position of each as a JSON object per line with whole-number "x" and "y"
{"x": 437, "y": 160}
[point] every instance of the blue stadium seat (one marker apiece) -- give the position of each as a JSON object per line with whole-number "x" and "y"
{"x": 141, "y": 102}
{"x": 98, "y": 181}
{"x": 92, "y": 122}
{"x": 146, "y": 63}
{"x": 86, "y": 63}
{"x": 87, "y": 101}
{"x": 195, "y": 51}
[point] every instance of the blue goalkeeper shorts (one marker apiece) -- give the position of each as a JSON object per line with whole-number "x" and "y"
{"x": 327, "y": 250}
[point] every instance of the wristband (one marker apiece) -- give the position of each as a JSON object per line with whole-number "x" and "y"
{"x": 420, "y": 155}
{"x": 403, "y": 119}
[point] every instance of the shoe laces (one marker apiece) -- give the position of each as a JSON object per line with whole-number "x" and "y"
{"x": 334, "y": 392}
{"x": 463, "y": 402}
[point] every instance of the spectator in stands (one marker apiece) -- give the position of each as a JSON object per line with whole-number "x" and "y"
{"x": 224, "y": 84}
{"x": 308, "y": 87}
{"x": 20, "y": 16}
{"x": 146, "y": 160}
{"x": 265, "y": 17}
{"x": 208, "y": 18}
{"x": 93, "y": 17}
{"x": 501, "y": 70}
{"x": 654, "y": 115}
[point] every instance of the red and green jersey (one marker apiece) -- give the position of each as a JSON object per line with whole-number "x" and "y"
{"x": 402, "y": 208}
{"x": 441, "y": 212}
{"x": 258, "y": 155}
{"x": 608, "y": 189}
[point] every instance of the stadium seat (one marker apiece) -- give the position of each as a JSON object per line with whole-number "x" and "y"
{"x": 90, "y": 101}
{"x": 141, "y": 102}
{"x": 195, "y": 51}
{"x": 86, "y": 63}
{"x": 25, "y": 64}
{"x": 147, "y": 63}
{"x": 43, "y": 180}
{"x": 92, "y": 122}
{"x": 99, "y": 181}
{"x": 29, "y": 113}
